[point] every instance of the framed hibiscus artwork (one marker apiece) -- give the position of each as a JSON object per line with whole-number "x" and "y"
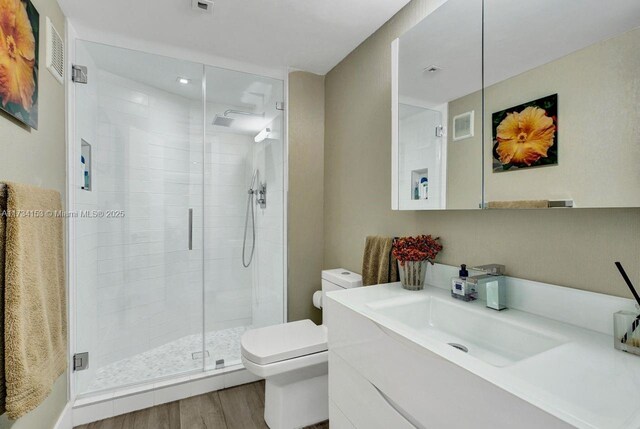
{"x": 19, "y": 29}
{"x": 526, "y": 136}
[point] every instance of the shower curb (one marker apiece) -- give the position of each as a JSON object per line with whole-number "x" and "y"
{"x": 103, "y": 406}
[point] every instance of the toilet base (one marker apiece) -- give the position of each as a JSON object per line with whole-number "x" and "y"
{"x": 297, "y": 399}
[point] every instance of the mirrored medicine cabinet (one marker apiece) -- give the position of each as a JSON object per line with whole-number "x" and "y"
{"x": 504, "y": 104}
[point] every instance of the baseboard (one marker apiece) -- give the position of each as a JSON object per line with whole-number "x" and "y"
{"x": 65, "y": 421}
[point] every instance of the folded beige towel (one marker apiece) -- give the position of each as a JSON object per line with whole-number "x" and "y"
{"x": 522, "y": 204}
{"x": 378, "y": 265}
{"x": 35, "y": 319}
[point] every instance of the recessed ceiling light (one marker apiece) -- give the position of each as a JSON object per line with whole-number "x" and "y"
{"x": 183, "y": 80}
{"x": 432, "y": 68}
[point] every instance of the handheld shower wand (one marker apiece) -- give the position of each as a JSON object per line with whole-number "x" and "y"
{"x": 250, "y": 193}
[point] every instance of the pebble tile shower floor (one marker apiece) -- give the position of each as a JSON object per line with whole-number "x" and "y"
{"x": 171, "y": 359}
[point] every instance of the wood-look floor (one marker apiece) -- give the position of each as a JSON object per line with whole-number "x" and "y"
{"x": 240, "y": 407}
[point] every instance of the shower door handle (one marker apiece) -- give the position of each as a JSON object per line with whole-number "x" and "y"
{"x": 190, "y": 229}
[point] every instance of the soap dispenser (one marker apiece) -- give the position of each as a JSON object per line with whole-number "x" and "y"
{"x": 463, "y": 273}
{"x": 460, "y": 288}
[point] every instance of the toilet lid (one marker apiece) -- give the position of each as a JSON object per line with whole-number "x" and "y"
{"x": 281, "y": 342}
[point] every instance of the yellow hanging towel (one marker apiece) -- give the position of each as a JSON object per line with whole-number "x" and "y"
{"x": 35, "y": 318}
{"x": 378, "y": 264}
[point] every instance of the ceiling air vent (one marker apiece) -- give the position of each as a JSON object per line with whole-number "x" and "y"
{"x": 205, "y": 6}
{"x": 55, "y": 52}
{"x": 432, "y": 68}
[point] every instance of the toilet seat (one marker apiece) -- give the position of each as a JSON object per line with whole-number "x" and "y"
{"x": 278, "y": 343}
{"x": 311, "y": 365}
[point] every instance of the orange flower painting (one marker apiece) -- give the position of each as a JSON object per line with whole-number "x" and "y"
{"x": 526, "y": 135}
{"x": 19, "y": 28}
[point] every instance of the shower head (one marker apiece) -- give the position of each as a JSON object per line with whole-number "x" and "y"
{"x": 242, "y": 112}
{"x": 225, "y": 121}
{"x": 222, "y": 121}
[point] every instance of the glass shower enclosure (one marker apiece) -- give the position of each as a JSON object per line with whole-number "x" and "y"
{"x": 179, "y": 235}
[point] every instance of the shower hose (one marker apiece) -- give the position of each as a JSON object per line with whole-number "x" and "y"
{"x": 250, "y": 195}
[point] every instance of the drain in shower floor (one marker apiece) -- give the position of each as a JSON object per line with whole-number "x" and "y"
{"x": 199, "y": 355}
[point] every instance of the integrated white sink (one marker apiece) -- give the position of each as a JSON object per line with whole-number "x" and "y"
{"x": 482, "y": 332}
{"x": 552, "y": 348}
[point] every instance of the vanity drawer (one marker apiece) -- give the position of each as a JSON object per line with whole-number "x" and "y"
{"x": 430, "y": 390}
{"x": 360, "y": 402}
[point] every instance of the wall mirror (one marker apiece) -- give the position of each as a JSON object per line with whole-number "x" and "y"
{"x": 556, "y": 122}
{"x": 437, "y": 91}
{"x": 562, "y": 103}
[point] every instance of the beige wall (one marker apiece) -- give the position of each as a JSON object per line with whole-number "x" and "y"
{"x": 306, "y": 170}
{"x": 574, "y": 248}
{"x": 38, "y": 157}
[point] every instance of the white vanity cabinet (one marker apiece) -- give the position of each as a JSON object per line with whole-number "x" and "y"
{"x": 379, "y": 379}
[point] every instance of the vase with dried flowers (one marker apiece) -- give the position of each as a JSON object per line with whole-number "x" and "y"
{"x": 413, "y": 255}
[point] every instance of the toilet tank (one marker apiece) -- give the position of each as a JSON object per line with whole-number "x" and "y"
{"x": 338, "y": 279}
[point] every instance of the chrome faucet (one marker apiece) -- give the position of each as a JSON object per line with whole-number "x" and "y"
{"x": 494, "y": 284}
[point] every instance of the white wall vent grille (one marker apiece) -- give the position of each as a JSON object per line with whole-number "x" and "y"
{"x": 205, "y": 6}
{"x": 55, "y": 52}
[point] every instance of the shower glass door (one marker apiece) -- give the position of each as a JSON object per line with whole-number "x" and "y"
{"x": 179, "y": 241}
{"x": 138, "y": 235}
{"x": 243, "y": 237}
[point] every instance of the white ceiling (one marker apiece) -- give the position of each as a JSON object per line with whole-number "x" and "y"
{"x": 307, "y": 35}
{"x": 153, "y": 70}
{"x": 451, "y": 38}
{"x": 519, "y": 36}
{"x": 233, "y": 88}
{"x": 225, "y": 89}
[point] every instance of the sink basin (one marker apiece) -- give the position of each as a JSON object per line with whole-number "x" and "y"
{"x": 484, "y": 333}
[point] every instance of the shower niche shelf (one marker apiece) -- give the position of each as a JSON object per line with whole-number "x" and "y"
{"x": 420, "y": 184}
{"x": 85, "y": 152}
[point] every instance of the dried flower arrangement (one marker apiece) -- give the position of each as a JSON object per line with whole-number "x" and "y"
{"x": 420, "y": 248}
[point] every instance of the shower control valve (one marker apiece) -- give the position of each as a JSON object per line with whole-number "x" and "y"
{"x": 262, "y": 196}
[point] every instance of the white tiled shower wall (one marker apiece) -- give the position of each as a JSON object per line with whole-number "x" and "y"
{"x": 228, "y": 171}
{"x": 420, "y": 148}
{"x": 238, "y": 296}
{"x": 268, "y": 157}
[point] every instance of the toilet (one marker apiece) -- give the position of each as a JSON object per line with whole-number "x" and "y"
{"x": 292, "y": 358}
